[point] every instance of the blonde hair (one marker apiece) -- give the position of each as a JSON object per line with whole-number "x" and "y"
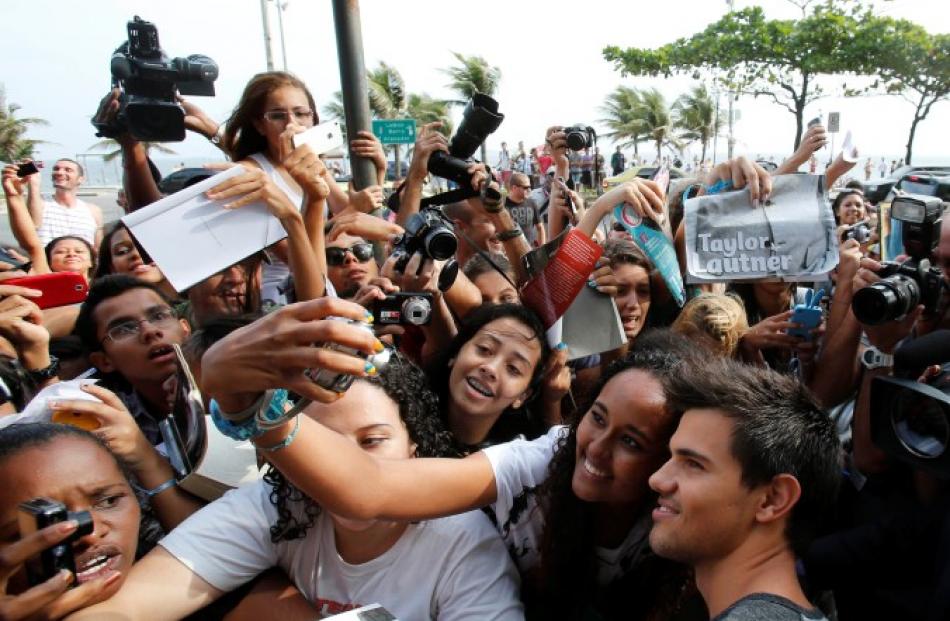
{"x": 719, "y": 318}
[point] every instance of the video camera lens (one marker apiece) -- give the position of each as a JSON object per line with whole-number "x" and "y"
{"x": 920, "y": 424}
{"x": 887, "y": 300}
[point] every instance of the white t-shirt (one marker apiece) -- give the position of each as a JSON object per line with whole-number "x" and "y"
{"x": 59, "y": 221}
{"x": 450, "y": 568}
{"x": 520, "y": 467}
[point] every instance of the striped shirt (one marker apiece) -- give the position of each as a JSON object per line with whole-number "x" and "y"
{"x": 59, "y": 220}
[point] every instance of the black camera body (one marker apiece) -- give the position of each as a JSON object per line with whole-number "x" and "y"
{"x": 150, "y": 82}
{"x": 903, "y": 286}
{"x": 36, "y": 515}
{"x": 859, "y": 231}
{"x": 426, "y": 232}
{"x": 479, "y": 119}
{"x": 580, "y": 137}
{"x": 403, "y": 308}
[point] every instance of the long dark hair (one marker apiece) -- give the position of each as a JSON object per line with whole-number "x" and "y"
{"x": 404, "y": 383}
{"x": 513, "y": 421}
{"x": 241, "y": 137}
{"x": 568, "y": 559}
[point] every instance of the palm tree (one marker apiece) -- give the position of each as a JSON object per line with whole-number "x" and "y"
{"x": 472, "y": 75}
{"x": 695, "y": 113}
{"x": 116, "y": 149}
{"x": 333, "y": 109}
{"x": 656, "y": 120}
{"x": 13, "y": 143}
{"x": 425, "y": 109}
{"x": 619, "y": 109}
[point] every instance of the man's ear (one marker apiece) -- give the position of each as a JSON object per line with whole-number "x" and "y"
{"x": 185, "y": 327}
{"x": 780, "y": 495}
{"x": 101, "y": 361}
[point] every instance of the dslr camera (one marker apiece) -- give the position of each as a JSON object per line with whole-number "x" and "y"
{"x": 150, "y": 82}
{"x": 905, "y": 285}
{"x": 426, "y": 232}
{"x": 580, "y": 137}
{"x": 859, "y": 231}
{"x": 36, "y": 515}
{"x": 403, "y": 308}
{"x": 479, "y": 119}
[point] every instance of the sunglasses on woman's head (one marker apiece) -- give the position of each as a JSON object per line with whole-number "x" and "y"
{"x": 363, "y": 252}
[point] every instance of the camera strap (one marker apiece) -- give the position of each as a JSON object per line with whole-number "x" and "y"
{"x": 487, "y": 257}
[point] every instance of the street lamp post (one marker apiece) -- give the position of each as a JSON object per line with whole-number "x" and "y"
{"x": 281, "y": 6}
{"x": 265, "y": 20}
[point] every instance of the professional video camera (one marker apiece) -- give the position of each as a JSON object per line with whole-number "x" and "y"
{"x": 580, "y": 137}
{"x": 915, "y": 281}
{"x": 150, "y": 83}
{"x": 910, "y": 420}
{"x": 479, "y": 119}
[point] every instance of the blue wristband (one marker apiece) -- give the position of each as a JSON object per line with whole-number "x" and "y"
{"x": 722, "y": 185}
{"x": 243, "y": 430}
{"x": 276, "y": 413}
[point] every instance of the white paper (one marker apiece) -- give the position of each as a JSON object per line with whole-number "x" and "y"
{"x": 191, "y": 237}
{"x": 373, "y": 612}
{"x": 38, "y": 410}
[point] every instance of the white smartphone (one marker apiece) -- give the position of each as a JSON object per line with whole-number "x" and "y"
{"x": 323, "y": 138}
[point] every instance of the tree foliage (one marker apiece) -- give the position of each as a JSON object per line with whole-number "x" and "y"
{"x": 914, "y": 64}
{"x": 777, "y": 59}
{"x": 14, "y": 145}
{"x": 694, "y": 113}
{"x": 620, "y": 117}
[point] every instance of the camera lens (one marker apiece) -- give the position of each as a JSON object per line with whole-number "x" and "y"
{"x": 416, "y": 310}
{"x": 920, "y": 424}
{"x": 886, "y": 300}
{"x": 441, "y": 244}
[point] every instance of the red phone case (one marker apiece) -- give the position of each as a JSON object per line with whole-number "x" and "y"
{"x": 59, "y": 289}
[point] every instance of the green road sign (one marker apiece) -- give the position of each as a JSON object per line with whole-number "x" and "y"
{"x": 395, "y": 131}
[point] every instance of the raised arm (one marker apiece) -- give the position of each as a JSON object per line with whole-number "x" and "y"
{"x": 21, "y": 223}
{"x": 330, "y": 469}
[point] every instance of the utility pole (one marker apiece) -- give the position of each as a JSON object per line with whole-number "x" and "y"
{"x": 732, "y": 138}
{"x": 280, "y": 25}
{"x": 265, "y": 20}
{"x": 349, "y": 46}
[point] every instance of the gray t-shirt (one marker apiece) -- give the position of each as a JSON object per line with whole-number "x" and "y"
{"x": 767, "y": 607}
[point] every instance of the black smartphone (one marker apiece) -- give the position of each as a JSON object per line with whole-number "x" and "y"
{"x": 28, "y": 168}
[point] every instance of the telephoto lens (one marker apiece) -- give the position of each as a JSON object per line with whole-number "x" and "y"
{"x": 887, "y": 300}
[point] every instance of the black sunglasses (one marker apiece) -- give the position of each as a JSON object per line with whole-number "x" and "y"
{"x": 363, "y": 252}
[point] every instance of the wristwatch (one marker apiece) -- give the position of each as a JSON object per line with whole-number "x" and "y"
{"x": 47, "y": 373}
{"x": 874, "y": 358}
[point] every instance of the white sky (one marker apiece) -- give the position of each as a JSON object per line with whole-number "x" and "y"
{"x": 56, "y": 60}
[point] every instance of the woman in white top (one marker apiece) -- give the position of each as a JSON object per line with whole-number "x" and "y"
{"x": 449, "y": 568}
{"x": 573, "y": 504}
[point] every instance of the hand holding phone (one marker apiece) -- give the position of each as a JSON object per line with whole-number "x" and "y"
{"x": 808, "y": 316}
{"x": 26, "y": 169}
{"x": 59, "y": 288}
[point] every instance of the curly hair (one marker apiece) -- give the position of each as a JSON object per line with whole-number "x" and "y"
{"x": 721, "y": 318}
{"x": 406, "y": 385}
{"x": 568, "y": 541}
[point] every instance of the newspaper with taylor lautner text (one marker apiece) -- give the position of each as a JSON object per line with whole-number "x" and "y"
{"x": 790, "y": 236}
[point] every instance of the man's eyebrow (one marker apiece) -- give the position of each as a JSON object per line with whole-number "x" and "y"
{"x": 126, "y": 318}
{"x": 692, "y": 454}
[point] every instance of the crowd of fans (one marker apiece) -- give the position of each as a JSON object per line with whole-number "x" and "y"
{"x": 714, "y": 466}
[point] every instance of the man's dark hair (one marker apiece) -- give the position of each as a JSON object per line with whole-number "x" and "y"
{"x": 478, "y": 265}
{"x": 778, "y": 428}
{"x": 103, "y": 289}
{"x": 854, "y": 184}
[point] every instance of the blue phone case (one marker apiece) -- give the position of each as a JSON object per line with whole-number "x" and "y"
{"x": 807, "y": 315}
